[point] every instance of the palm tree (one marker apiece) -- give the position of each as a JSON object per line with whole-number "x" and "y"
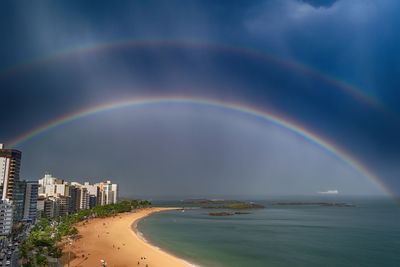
{"x": 144, "y": 203}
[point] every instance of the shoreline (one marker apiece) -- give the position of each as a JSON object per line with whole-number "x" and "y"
{"x": 107, "y": 239}
{"x": 140, "y": 235}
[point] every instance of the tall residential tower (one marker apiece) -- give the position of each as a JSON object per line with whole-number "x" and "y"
{"x": 30, "y": 202}
{"x": 10, "y": 161}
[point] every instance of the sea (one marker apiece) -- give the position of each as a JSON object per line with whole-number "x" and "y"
{"x": 366, "y": 234}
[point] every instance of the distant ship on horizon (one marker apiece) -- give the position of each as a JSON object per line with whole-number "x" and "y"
{"x": 329, "y": 192}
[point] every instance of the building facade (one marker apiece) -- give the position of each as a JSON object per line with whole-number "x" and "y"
{"x": 62, "y": 206}
{"x": 30, "y": 201}
{"x": 10, "y": 163}
{"x": 74, "y": 198}
{"x": 48, "y": 179}
{"x": 40, "y": 206}
{"x": 6, "y": 217}
{"x": 58, "y": 197}
{"x": 84, "y": 201}
{"x": 50, "y": 186}
{"x": 18, "y": 200}
{"x": 108, "y": 193}
{"x": 50, "y": 207}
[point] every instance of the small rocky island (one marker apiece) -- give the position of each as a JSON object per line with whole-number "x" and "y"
{"x": 224, "y": 213}
{"x": 225, "y": 205}
{"x": 322, "y": 204}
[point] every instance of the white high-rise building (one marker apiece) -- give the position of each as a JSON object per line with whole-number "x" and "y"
{"x": 108, "y": 193}
{"x": 50, "y": 186}
{"x": 62, "y": 190}
{"x": 84, "y": 201}
{"x": 92, "y": 189}
{"x": 57, "y": 197}
{"x": 48, "y": 179}
{"x": 6, "y": 217}
{"x": 48, "y": 190}
{"x": 84, "y": 195}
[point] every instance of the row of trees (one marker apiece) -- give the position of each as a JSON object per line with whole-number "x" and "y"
{"x": 43, "y": 240}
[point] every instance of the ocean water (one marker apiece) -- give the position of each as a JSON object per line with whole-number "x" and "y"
{"x": 283, "y": 236}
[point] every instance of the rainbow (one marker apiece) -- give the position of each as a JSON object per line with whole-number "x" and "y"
{"x": 229, "y": 106}
{"x": 344, "y": 86}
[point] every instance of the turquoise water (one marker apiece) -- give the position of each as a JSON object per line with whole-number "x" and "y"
{"x": 365, "y": 235}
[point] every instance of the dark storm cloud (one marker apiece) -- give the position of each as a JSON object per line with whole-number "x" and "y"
{"x": 352, "y": 40}
{"x": 184, "y": 150}
{"x": 320, "y": 3}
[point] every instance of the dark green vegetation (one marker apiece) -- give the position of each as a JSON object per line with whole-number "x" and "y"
{"x": 223, "y": 204}
{"x": 44, "y": 239}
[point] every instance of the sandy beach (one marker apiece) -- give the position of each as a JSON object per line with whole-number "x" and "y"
{"x": 113, "y": 240}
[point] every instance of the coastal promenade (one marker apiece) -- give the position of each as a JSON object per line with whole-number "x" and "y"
{"x": 113, "y": 240}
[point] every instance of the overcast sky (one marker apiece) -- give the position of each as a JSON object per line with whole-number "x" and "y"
{"x": 223, "y": 50}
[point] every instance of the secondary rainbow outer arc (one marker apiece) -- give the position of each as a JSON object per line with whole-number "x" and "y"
{"x": 91, "y": 47}
{"x": 279, "y": 121}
